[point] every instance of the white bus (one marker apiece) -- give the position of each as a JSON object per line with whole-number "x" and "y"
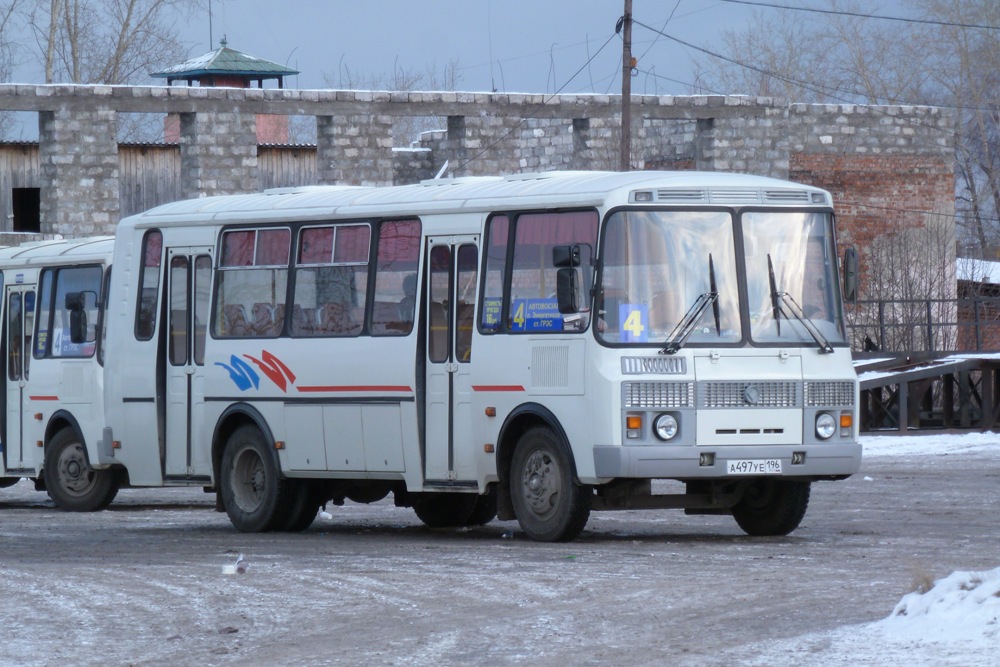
{"x": 534, "y": 347}
{"x": 53, "y": 410}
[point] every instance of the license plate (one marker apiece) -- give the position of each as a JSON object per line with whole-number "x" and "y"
{"x": 754, "y": 467}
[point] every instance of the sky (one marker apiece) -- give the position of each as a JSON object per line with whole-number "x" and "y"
{"x": 504, "y": 45}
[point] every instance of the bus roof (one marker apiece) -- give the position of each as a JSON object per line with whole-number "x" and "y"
{"x": 485, "y": 193}
{"x": 62, "y": 250}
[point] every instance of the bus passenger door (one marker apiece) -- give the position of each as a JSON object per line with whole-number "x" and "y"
{"x": 189, "y": 278}
{"x": 452, "y": 269}
{"x": 18, "y": 330}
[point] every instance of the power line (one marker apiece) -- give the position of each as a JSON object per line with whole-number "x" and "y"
{"x": 835, "y": 12}
{"x": 834, "y": 93}
{"x": 526, "y": 118}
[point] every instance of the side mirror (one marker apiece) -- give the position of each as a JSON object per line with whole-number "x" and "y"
{"x": 77, "y": 303}
{"x": 851, "y": 275}
{"x": 566, "y": 255}
{"x": 566, "y": 291}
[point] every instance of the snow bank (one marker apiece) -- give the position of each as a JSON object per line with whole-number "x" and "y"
{"x": 955, "y": 623}
{"x": 931, "y": 444}
{"x": 963, "y": 608}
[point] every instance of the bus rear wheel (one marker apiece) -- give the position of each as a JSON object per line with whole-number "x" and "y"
{"x": 255, "y": 496}
{"x": 72, "y": 484}
{"x": 772, "y": 507}
{"x": 8, "y": 481}
{"x": 303, "y": 508}
{"x": 485, "y": 509}
{"x": 549, "y": 505}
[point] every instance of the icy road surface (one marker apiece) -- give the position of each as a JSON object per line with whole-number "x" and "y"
{"x": 144, "y": 583}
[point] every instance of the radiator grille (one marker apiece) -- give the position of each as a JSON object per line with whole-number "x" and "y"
{"x": 659, "y": 394}
{"x": 749, "y": 395}
{"x": 829, "y": 394}
{"x": 661, "y": 365}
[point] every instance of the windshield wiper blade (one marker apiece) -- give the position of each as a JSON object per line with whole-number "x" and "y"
{"x": 780, "y": 301}
{"x": 775, "y": 308}
{"x": 715, "y": 291}
{"x": 684, "y": 328}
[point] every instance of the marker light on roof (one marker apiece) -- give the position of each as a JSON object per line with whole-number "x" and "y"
{"x": 645, "y": 196}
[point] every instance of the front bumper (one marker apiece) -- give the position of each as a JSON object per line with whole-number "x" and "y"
{"x": 682, "y": 462}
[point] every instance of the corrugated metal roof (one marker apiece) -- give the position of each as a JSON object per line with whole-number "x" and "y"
{"x": 225, "y": 61}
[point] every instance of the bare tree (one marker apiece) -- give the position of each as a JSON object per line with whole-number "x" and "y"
{"x": 805, "y": 57}
{"x": 912, "y": 287}
{"x": 9, "y": 27}
{"x": 107, "y": 41}
{"x": 945, "y": 55}
{"x": 965, "y": 63}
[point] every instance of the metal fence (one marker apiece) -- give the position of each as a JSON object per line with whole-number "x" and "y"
{"x": 925, "y": 325}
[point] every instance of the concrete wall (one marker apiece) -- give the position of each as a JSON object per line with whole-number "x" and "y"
{"x": 883, "y": 164}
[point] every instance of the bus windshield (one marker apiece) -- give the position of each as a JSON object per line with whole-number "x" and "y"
{"x": 790, "y": 261}
{"x": 667, "y": 274}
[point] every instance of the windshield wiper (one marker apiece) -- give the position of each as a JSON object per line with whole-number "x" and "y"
{"x": 780, "y": 301}
{"x": 684, "y": 328}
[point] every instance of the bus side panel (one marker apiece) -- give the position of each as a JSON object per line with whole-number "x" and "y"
{"x": 340, "y": 413}
{"x": 511, "y": 370}
{"x": 383, "y": 437}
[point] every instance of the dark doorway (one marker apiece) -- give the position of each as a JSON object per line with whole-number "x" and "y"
{"x": 26, "y": 204}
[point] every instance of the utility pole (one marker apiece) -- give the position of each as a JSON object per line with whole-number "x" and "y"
{"x": 626, "y": 148}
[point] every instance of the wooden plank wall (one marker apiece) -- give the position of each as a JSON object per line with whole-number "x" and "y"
{"x": 150, "y": 175}
{"x": 18, "y": 169}
{"x": 286, "y": 166}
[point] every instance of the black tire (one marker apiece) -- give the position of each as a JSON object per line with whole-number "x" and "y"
{"x": 549, "y": 505}
{"x": 303, "y": 508}
{"x": 70, "y": 481}
{"x": 8, "y": 481}
{"x": 254, "y": 494}
{"x": 772, "y": 507}
{"x": 485, "y": 509}
{"x": 445, "y": 510}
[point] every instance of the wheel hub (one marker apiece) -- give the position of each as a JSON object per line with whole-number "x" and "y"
{"x": 75, "y": 475}
{"x": 249, "y": 480}
{"x": 541, "y": 481}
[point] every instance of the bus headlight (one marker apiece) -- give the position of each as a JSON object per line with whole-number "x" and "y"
{"x": 665, "y": 426}
{"x": 826, "y": 426}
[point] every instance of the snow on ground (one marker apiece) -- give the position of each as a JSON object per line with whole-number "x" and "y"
{"x": 931, "y": 444}
{"x": 956, "y": 621}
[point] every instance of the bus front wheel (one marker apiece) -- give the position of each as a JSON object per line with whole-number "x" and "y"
{"x": 772, "y": 507}
{"x": 548, "y": 504}
{"x": 253, "y": 493}
{"x": 72, "y": 484}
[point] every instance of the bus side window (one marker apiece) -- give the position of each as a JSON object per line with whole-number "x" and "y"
{"x": 466, "y": 279}
{"x": 251, "y": 282}
{"x": 70, "y": 298}
{"x": 496, "y": 261}
{"x": 396, "y": 278}
{"x": 149, "y": 285}
{"x": 534, "y": 304}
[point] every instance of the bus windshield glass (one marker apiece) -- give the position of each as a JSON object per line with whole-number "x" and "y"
{"x": 790, "y": 261}
{"x": 669, "y": 277}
